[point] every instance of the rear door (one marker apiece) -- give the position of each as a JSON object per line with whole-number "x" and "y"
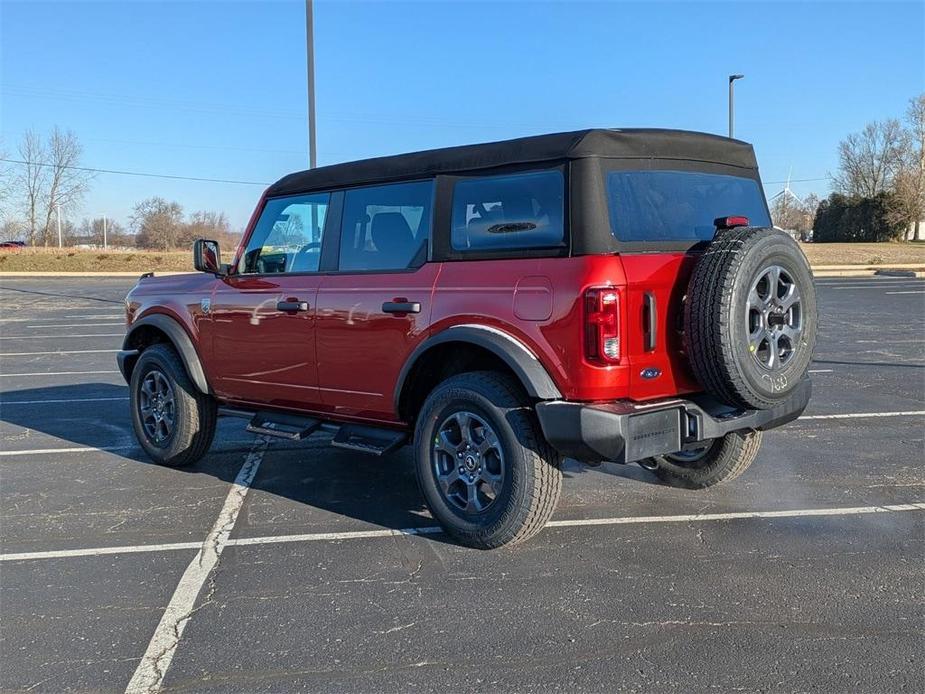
{"x": 663, "y": 219}
{"x": 263, "y": 316}
{"x": 375, "y": 309}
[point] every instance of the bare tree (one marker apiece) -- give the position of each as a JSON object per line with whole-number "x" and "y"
{"x": 158, "y": 223}
{"x": 32, "y": 180}
{"x": 909, "y": 183}
{"x": 66, "y": 183}
{"x": 793, "y": 214}
{"x": 48, "y": 180}
{"x": 870, "y": 159}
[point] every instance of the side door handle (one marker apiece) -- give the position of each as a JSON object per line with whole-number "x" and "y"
{"x": 291, "y": 306}
{"x": 401, "y": 307}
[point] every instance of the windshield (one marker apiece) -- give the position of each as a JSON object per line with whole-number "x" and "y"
{"x": 679, "y": 205}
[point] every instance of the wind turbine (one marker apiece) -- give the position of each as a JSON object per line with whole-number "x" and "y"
{"x": 786, "y": 192}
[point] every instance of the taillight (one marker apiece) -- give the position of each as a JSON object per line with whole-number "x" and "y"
{"x": 602, "y": 325}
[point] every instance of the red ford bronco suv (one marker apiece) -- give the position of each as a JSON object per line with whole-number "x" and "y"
{"x": 604, "y": 295}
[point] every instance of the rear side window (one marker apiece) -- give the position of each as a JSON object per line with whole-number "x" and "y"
{"x": 386, "y": 227}
{"x": 287, "y": 237}
{"x": 524, "y": 210}
{"x": 679, "y": 205}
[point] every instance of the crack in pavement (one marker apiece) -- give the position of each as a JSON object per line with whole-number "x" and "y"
{"x": 149, "y": 676}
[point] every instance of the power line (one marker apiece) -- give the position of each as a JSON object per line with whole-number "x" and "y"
{"x": 264, "y": 183}
{"x": 137, "y": 173}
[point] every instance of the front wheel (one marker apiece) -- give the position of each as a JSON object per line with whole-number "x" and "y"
{"x": 173, "y": 421}
{"x": 719, "y": 460}
{"x": 483, "y": 466}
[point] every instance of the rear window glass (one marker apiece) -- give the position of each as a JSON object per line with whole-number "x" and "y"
{"x": 679, "y": 205}
{"x": 524, "y": 210}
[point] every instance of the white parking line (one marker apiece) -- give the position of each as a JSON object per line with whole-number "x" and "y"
{"x": 154, "y": 665}
{"x": 57, "y": 337}
{"x": 69, "y": 351}
{"x": 904, "y": 292}
{"x": 33, "y": 319}
{"x": 77, "y": 325}
{"x": 55, "y": 401}
{"x": 57, "y": 451}
{"x": 431, "y": 530}
{"x": 821, "y": 371}
{"x": 58, "y": 373}
{"x": 860, "y": 415}
{"x": 866, "y": 287}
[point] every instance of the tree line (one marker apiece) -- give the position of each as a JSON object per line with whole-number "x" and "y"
{"x": 878, "y": 192}
{"x": 45, "y": 185}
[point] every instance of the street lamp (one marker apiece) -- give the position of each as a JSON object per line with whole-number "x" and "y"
{"x": 732, "y": 108}
{"x": 310, "y": 55}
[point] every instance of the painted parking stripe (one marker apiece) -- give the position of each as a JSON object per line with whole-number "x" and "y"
{"x": 90, "y": 449}
{"x": 861, "y": 415}
{"x": 33, "y": 319}
{"x": 57, "y": 337}
{"x": 76, "y": 325}
{"x": 821, "y": 371}
{"x": 431, "y": 530}
{"x": 58, "y": 451}
{"x": 149, "y": 675}
{"x": 57, "y": 401}
{"x": 57, "y": 373}
{"x": 68, "y": 351}
{"x": 916, "y": 292}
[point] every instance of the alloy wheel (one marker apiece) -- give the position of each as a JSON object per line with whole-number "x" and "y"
{"x": 157, "y": 406}
{"x": 468, "y": 462}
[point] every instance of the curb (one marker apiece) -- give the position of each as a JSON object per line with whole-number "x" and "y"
{"x": 89, "y": 274}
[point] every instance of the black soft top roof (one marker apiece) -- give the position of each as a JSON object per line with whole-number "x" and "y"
{"x": 630, "y": 143}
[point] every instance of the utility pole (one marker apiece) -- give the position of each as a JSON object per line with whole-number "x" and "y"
{"x": 732, "y": 107}
{"x": 105, "y": 242}
{"x": 310, "y": 53}
{"x": 58, "y": 210}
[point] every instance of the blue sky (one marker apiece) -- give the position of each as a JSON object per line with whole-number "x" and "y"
{"x": 217, "y": 89}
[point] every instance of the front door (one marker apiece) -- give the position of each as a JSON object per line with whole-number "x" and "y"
{"x": 375, "y": 309}
{"x": 263, "y": 315}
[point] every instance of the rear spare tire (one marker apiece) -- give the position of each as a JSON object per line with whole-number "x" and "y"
{"x": 750, "y": 317}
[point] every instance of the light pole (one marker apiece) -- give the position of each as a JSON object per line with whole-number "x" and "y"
{"x": 105, "y": 241}
{"x": 310, "y": 54}
{"x": 58, "y": 210}
{"x": 732, "y": 107}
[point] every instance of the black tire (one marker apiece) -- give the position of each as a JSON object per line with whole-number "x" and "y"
{"x": 530, "y": 478}
{"x": 194, "y": 414}
{"x": 725, "y": 459}
{"x": 718, "y": 318}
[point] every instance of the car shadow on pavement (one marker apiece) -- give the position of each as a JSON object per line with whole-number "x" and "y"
{"x": 377, "y": 491}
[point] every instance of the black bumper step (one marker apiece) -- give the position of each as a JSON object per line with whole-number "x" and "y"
{"x": 283, "y": 426}
{"x": 362, "y": 439}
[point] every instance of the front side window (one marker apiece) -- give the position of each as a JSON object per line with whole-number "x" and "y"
{"x": 287, "y": 237}
{"x": 679, "y": 205}
{"x": 524, "y": 210}
{"x": 386, "y": 227}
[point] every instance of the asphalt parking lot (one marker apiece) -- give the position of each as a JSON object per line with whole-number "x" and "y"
{"x": 270, "y": 566}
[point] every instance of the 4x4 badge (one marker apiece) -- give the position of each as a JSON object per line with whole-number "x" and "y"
{"x": 650, "y": 373}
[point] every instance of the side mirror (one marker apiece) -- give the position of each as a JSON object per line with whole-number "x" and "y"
{"x": 207, "y": 257}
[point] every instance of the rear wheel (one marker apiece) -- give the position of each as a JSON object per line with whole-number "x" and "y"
{"x": 173, "y": 421}
{"x": 483, "y": 466}
{"x": 719, "y": 460}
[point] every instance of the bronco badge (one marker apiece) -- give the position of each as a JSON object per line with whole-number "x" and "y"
{"x": 650, "y": 373}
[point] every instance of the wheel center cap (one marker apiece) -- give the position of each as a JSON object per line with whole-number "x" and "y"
{"x": 470, "y": 462}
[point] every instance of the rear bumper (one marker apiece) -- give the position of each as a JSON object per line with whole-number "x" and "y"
{"x": 625, "y": 432}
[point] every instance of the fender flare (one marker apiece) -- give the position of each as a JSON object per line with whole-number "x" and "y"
{"x": 524, "y": 363}
{"x": 180, "y": 340}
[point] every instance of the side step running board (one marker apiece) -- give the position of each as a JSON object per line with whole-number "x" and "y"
{"x": 363, "y": 439}
{"x": 283, "y": 426}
